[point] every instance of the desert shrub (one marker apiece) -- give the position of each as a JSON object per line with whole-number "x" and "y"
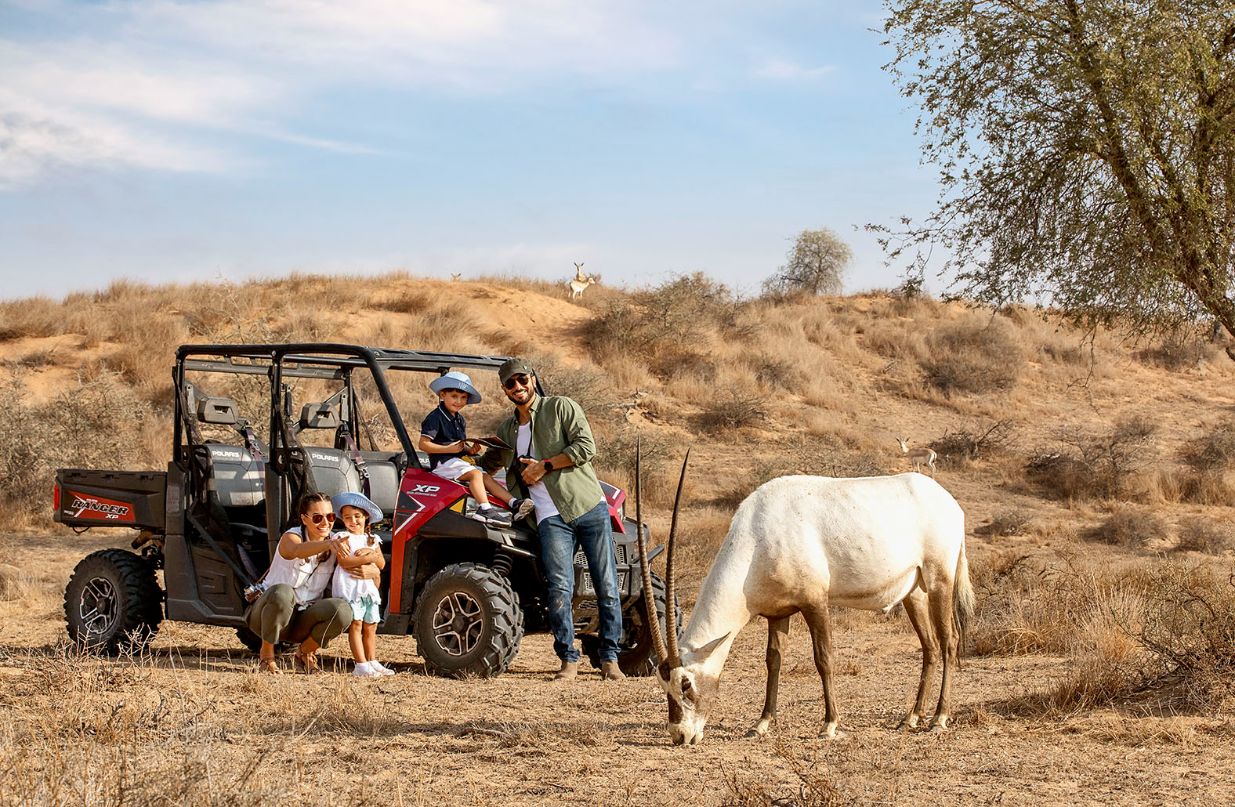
{"x": 974, "y": 357}
{"x": 775, "y": 373}
{"x": 673, "y": 315}
{"x": 1198, "y": 534}
{"x": 588, "y": 386}
{"x": 1006, "y": 522}
{"x": 1094, "y": 465}
{"x": 1213, "y": 452}
{"x": 1131, "y": 527}
{"x": 730, "y": 411}
{"x": 1175, "y": 352}
{"x": 94, "y": 424}
{"x": 618, "y": 452}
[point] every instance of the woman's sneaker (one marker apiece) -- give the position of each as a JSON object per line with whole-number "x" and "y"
{"x": 521, "y": 508}
{"x": 492, "y": 515}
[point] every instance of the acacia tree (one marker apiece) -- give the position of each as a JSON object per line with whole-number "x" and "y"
{"x": 815, "y": 265}
{"x": 1086, "y": 151}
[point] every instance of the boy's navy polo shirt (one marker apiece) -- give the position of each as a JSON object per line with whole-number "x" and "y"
{"x": 443, "y": 428}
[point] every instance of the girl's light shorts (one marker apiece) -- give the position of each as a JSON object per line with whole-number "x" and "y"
{"x": 366, "y": 609}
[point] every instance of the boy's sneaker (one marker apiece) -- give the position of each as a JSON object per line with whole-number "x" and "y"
{"x": 365, "y": 670}
{"x": 521, "y": 508}
{"x": 492, "y": 515}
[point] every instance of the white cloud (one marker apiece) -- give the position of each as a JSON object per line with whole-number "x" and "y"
{"x": 782, "y": 70}
{"x": 128, "y": 95}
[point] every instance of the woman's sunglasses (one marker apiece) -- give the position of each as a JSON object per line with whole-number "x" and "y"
{"x": 516, "y": 381}
{"x": 320, "y": 518}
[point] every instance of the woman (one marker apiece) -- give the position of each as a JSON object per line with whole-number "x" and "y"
{"x": 292, "y": 609}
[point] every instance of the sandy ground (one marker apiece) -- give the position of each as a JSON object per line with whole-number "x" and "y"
{"x": 523, "y": 739}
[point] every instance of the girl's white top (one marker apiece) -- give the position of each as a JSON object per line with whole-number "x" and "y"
{"x": 308, "y": 577}
{"x": 348, "y": 587}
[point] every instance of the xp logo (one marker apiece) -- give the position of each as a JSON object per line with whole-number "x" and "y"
{"x": 117, "y": 511}
{"x": 425, "y": 489}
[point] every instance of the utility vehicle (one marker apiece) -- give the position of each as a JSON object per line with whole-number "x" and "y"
{"x": 468, "y": 590}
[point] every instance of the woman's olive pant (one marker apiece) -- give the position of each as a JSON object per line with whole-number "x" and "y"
{"x": 274, "y": 617}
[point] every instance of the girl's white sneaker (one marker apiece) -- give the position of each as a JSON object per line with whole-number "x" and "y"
{"x": 381, "y": 668}
{"x": 366, "y": 670}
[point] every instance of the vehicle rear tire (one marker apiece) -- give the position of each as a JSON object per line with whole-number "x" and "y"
{"x": 113, "y": 603}
{"x": 467, "y": 621}
{"x": 636, "y": 655}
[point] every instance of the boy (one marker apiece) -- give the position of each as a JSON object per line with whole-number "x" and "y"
{"x": 443, "y": 436}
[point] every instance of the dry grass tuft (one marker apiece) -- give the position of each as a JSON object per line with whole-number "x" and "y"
{"x": 1132, "y": 528}
{"x": 1198, "y": 534}
{"x": 977, "y": 356}
{"x": 731, "y": 411}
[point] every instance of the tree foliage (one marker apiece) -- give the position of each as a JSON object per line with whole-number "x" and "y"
{"x": 1086, "y": 150}
{"x": 815, "y": 265}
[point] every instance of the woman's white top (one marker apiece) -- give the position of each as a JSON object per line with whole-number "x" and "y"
{"x": 308, "y": 577}
{"x": 538, "y": 492}
{"x": 351, "y": 588}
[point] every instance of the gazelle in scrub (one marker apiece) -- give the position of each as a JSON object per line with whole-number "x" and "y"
{"x": 801, "y": 544}
{"x": 918, "y": 456}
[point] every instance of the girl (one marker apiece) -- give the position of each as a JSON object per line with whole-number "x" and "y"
{"x": 359, "y": 547}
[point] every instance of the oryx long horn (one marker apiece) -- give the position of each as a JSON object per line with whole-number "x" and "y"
{"x": 649, "y": 600}
{"x": 670, "y": 598}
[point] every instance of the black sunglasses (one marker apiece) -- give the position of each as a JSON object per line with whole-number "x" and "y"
{"x": 519, "y": 379}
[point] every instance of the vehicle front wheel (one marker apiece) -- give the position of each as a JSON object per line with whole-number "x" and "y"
{"x": 467, "y": 621}
{"x": 636, "y": 653}
{"x": 113, "y": 603}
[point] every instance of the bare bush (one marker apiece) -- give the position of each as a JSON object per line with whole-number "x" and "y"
{"x": 1131, "y": 527}
{"x": 1198, "y": 534}
{"x": 1094, "y": 465}
{"x": 731, "y": 411}
{"x": 966, "y": 445}
{"x": 1177, "y": 351}
{"x": 974, "y": 357}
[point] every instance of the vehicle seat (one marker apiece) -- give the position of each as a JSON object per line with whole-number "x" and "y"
{"x": 333, "y": 471}
{"x": 237, "y": 477}
{"x": 384, "y": 470}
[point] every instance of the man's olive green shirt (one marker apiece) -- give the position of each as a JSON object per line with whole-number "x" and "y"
{"x": 558, "y": 427}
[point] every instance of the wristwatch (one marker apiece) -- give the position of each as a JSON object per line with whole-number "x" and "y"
{"x": 548, "y": 466}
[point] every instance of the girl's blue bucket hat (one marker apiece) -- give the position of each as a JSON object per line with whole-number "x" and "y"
{"x": 341, "y": 500}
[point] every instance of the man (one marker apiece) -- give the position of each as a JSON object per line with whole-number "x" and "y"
{"x": 553, "y": 450}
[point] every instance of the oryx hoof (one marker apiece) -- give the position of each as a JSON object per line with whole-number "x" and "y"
{"x": 830, "y": 732}
{"x": 939, "y": 725}
{"x": 761, "y": 729}
{"x": 909, "y": 723}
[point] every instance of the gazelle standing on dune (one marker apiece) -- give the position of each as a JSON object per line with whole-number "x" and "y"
{"x": 918, "y": 456}
{"x": 802, "y": 544}
{"x": 580, "y": 282}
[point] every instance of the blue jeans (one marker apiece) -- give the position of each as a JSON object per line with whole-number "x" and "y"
{"x": 557, "y": 551}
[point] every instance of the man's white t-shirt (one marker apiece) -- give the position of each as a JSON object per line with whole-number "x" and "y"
{"x": 539, "y": 493}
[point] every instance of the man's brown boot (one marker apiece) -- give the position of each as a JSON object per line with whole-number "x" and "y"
{"x": 569, "y": 671}
{"x": 610, "y": 671}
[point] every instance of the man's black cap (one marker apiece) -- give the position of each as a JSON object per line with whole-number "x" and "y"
{"x": 514, "y": 367}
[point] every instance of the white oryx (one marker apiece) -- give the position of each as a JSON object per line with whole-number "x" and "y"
{"x": 801, "y": 544}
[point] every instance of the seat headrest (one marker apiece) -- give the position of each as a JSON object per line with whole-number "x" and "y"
{"x": 217, "y": 411}
{"x": 319, "y": 416}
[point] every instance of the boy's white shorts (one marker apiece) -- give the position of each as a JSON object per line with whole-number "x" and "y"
{"x": 454, "y": 468}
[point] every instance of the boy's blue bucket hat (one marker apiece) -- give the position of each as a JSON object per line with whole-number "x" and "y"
{"x": 456, "y": 380}
{"x": 341, "y": 500}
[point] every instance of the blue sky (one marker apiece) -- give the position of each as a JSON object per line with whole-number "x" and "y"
{"x": 165, "y": 140}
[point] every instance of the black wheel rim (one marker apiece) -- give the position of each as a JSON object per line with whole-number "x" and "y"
{"x": 99, "y": 607}
{"x": 458, "y": 622}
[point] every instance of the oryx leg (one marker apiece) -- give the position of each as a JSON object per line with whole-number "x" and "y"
{"x": 820, "y": 624}
{"x": 778, "y": 637}
{"x": 941, "y": 620}
{"x": 917, "y": 606}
